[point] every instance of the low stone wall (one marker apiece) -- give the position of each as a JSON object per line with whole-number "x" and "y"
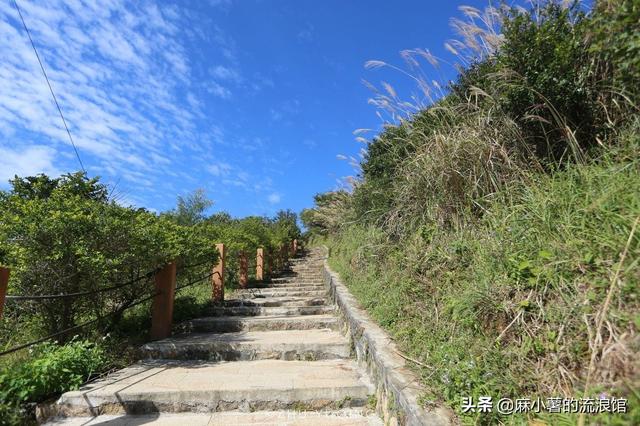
{"x": 397, "y": 387}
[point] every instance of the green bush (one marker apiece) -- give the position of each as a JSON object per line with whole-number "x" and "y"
{"x": 64, "y": 236}
{"x": 51, "y": 370}
{"x": 615, "y": 35}
{"x": 544, "y": 84}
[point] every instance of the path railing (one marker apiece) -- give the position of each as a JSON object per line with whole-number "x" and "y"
{"x": 164, "y": 289}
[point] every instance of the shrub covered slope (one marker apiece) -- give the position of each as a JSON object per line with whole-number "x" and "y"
{"x": 494, "y": 231}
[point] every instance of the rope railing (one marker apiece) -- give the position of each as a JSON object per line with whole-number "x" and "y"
{"x": 75, "y": 327}
{"x": 194, "y": 282}
{"x": 165, "y": 278}
{"x": 82, "y": 293}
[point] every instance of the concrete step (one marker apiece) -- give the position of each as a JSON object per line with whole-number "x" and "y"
{"x": 269, "y": 310}
{"x": 179, "y": 386}
{"x": 283, "y": 287}
{"x": 305, "y": 286}
{"x": 248, "y": 300}
{"x": 287, "y": 345}
{"x": 231, "y": 324}
{"x": 277, "y": 292}
{"x": 280, "y": 289}
{"x": 315, "y": 280}
{"x": 346, "y": 417}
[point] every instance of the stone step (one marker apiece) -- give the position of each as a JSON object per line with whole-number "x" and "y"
{"x": 231, "y": 324}
{"x": 248, "y": 300}
{"x": 282, "y": 288}
{"x": 269, "y": 310}
{"x": 346, "y": 417}
{"x": 293, "y": 284}
{"x": 317, "y": 280}
{"x": 287, "y": 345}
{"x": 279, "y": 292}
{"x": 193, "y": 386}
{"x": 306, "y": 286}
{"x": 310, "y": 280}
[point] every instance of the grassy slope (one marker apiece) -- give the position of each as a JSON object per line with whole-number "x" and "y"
{"x": 498, "y": 308}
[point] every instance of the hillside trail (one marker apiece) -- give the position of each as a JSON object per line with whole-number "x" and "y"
{"x": 272, "y": 355}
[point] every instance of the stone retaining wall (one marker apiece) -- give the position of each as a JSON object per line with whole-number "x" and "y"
{"x": 397, "y": 387}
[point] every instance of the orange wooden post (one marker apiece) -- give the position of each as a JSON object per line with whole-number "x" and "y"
{"x": 217, "y": 280}
{"x": 244, "y": 270}
{"x": 4, "y": 284}
{"x": 260, "y": 264}
{"x": 162, "y": 310}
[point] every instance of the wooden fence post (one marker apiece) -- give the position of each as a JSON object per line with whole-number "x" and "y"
{"x": 162, "y": 310}
{"x": 217, "y": 280}
{"x": 244, "y": 270}
{"x": 294, "y": 248}
{"x": 4, "y": 283}
{"x": 260, "y": 264}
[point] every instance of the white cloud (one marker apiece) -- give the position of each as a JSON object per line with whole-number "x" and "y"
{"x": 274, "y": 198}
{"x": 218, "y": 90}
{"x": 220, "y": 169}
{"x": 118, "y": 70}
{"x": 225, "y": 73}
{"x": 26, "y": 162}
{"x": 134, "y": 101}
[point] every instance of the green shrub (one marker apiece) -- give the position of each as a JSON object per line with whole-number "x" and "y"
{"x": 615, "y": 35}
{"x": 64, "y": 236}
{"x": 51, "y": 370}
{"x": 544, "y": 81}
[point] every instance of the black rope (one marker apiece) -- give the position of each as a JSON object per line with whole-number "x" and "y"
{"x": 83, "y": 293}
{"x": 194, "y": 282}
{"x": 76, "y": 327}
{"x": 49, "y": 84}
{"x": 44, "y": 339}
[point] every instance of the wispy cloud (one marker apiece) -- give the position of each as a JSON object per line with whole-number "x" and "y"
{"x": 117, "y": 72}
{"x": 27, "y": 161}
{"x": 138, "y": 107}
{"x": 223, "y": 73}
{"x": 217, "y": 89}
{"x": 274, "y": 198}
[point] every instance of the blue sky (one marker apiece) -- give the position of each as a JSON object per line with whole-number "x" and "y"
{"x": 254, "y": 101}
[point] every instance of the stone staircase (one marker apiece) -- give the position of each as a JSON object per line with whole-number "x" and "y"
{"x": 273, "y": 355}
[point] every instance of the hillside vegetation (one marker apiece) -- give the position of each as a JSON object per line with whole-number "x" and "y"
{"x": 493, "y": 230}
{"x": 70, "y": 236}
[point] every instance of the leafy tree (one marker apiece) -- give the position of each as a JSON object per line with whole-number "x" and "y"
{"x": 42, "y": 186}
{"x": 63, "y": 236}
{"x": 191, "y": 208}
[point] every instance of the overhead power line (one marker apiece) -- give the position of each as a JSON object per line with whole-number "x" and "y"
{"x": 55, "y": 100}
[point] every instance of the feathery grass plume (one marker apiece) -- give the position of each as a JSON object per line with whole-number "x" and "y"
{"x": 499, "y": 222}
{"x": 479, "y": 32}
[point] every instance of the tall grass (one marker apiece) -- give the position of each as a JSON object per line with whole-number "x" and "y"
{"x": 495, "y": 218}
{"x": 508, "y": 306}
